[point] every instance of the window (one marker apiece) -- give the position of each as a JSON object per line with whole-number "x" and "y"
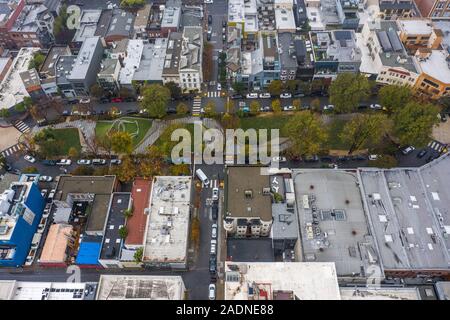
{"x": 248, "y": 194}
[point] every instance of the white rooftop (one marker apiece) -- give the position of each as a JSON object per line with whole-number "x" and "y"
{"x": 307, "y": 280}
{"x": 137, "y": 287}
{"x": 132, "y": 60}
{"x": 168, "y": 225}
{"x": 236, "y": 11}
{"x": 152, "y": 61}
{"x": 284, "y": 19}
{"x": 436, "y": 66}
{"x": 12, "y": 90}
{"x": 18, "y": 290}
{"x": 415, "y": 26}
{"x": 84, "y": 58}
{"x": 388, "y": 293}
{"x": 314, "y": 19}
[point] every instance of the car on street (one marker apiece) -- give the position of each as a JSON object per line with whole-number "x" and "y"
{"x": 299, "y": 95}
{"x": 132, "y": 111}
{"x": 219, "y": 87}
{"x": 66, "y": 113}
{"x": 98, "y": 162}
{"x": 279, "y": 159}
{"x": 252, "y": 96}
{"x": 104, "y": 100}
{"x": 73, "y": 101}
{"x": 375, "y": 106}
{"x": 130, "y": 99}
{"x": 285, "y": 95}
{"x": 224, "y": 23}
{"x": 84, "y": 162}
{"x": 51, "y": 195}
{"x": 237, "y": 96}
{"x": 212, "y": 291}
{"x": 358, "y": 158}
{"x": 64, "y": 162}
{"x": 30, "y": 158}
{"x": 408, "y": 150}
{"x": 288, "y": 108}
{"x": 85, "y": 100}
{"x": 213, "y": 246}
{"x": 265, "y": 95}
{"x": 115, "y": 161}
{"x": 209, "y": 19}
{"x": 328, "y": 107}
{"x": 422, "y": 153}
{"x": 313, "y": 158}
{"x": 212, "y": 263}
{"x": 45, "y": 179}
{"x": 215, "y": 194}
{"x": 115, "y": 100}
{"x": 224, "y": 37}
{"x": 265, "y": 109}
{"x": 214, "y": 231}
{"x": 373, "y": 157}
{"x": 215, "y": 211}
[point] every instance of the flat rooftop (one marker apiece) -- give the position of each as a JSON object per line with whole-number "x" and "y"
{"x": 137, "y": 222}
{"x": 443, "y": 25}
{"x": 152, "y": 61}
{"x": 297, "y": 280}
{"x": 284, "y": 19}
{"x": 84, "y": 58}
{"x": 137, "y": 287}
{"x": 238, "y": 205}
{"x": 415, "y": 26}
{"x": 167, "y": 231}
{"x": 49, "y": 66}
{"x": 388, "y": 293}
{"x": 18, "y": 290}
{"x": 236, "y": 11}
{"x": 131, "y": 61}
{"x": 333, "y": 225}
{"x": 436, "y": 65}
{"x": 112, "y": 242}
{"x": 407, "y": 210}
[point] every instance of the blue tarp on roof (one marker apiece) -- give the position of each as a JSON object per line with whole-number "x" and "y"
{"x": 88, "y": 253}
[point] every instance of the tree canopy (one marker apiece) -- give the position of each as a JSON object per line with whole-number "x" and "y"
{"x": 394, "y": 97}
{"x": 155, "y": 99}
{"x": 348, "y": 90}
{"x": 121, "y": 142}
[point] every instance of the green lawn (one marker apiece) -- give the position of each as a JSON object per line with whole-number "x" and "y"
{"x": 137, "y": 127}
{"x": 69, "y": 138}
{"x": 265, "y": 122}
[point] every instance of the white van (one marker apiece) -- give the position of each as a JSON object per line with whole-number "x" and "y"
{"x": 202, "y": 176}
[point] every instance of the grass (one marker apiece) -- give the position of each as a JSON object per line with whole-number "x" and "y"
{"x": 69, "y": 138}
{"x": 103, "y": 127}
{"x": 334, "y": 130}
{"x": 265, "y": 122}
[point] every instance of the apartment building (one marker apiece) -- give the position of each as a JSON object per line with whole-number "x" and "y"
{"x": 393, "y": 9}
{"x": 9, "y": 12}
{"x": 435, "y": 9}
{"x": 190, "y": 63}
{"x": 108, "y": 76}
{"x": 48, "y": 71}
{"x": 418, "y": 33}
{"x": 171, "y": 17}
{"x": 434, "y": 79}
{"x": 170, "y": 71}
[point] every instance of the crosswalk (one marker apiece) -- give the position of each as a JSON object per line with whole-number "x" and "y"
{"x": 22, "y": 126}
{"x": 214, "y": 94}
{"x": 15, "y": 148}
{"x": 212, "y": 184}
{"x": 436, "y": 145}
{"x": 197, "y": 107}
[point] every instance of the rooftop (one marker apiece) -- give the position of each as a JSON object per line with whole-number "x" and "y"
{"x": 245, "y": 196}
{"x": 18, "y": 290}
{"x": 236, "y": 11}
{"x": 284, "y": 19}
{"x": 117, "y": 287}
{"x": 443, "y": 25}
{"x": 168, "y": 223}
{"x": 406, "y": 239}
{"x": 172, "y": 14}
{"x": 30, "y": 79}
{"x": 137, "y": 222}
{"x": 90, "y": 16}
{"x": 332, "y": 220}
{"x": 436, "y": 65}
{"x": 172, "y": 60}
{"x": 191, "y": 49}
{"x": 388, "y": 293}
{"x": 28, "y": 19}
{"x": 269, "y": 281}
{"x": 56, "y": 243}
{"x": 443, "y": 290}
{"x": 121, "y": 23}
{"x": 335, "y": 45}
{"x": 84, "y": 58}
{"x": 142, "y": 18}
{"x": 152, "y": 61}
{"x": 131, "y": 61}
{"x": 288, "y": 56}
{"x": 108, "y": 67}
{"x": 415, "y": 26}
{"x": 112, "y": 242}
{"x": 64, "y": 65}
{"x": 48, "y": 68}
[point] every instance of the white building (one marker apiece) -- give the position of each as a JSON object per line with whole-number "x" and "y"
{"x": 19, "y": 290}
{"x": 190, "y": 66}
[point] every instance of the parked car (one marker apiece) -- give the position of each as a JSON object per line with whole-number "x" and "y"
{"x": 236, "y": 96}
{"x": 130, "y": 99}
{"x": 98, "y": 162}
{"x": 252, "y": 96}
{"x": 326, "y": 159}
{"x": 373, "y": 157}
{"x": 328, "y": 107}
{"x": 375, "y": 106}
{"x": 209, "y": 19}
{"x": 214, "y": 231}
{"x": 408, "y": 150}
{"x": 285, "y": 95}
{"x": 299, "y": 95}
{"x": 49, "y": 163}
{"x": 215, "y": 211}
{"x": 279, "y": 159}
{"x": 171, "y": 110}
{"x": 359, "y": 158}
{"x": 288, "y": 108}
{"x": 212, "y": 292}
{"x": 213, "y": 246}
{"x": 132, "y": 111}
{"x": 115, "y": 161}
{"x": 51, "y": 195}
{"x": 212, "y": 263}
{"x": 215, "y": 194}
{"x": 45, "y": 179}
{"x": 264, "y": 95}
{"x": 313, "y": 158}
{"x": 84, "y": 162}
{"x": 104, "y": 100}
{"x": 422, "y": 153}
{"x": 219, "y": 87}
{"x": 208, "y": 36}
{"x": 224, "y": 37}
{"x": 64, "y": 162}
{"x": 30, "y": 158}
{"x": 73, "y": 101}
{"x": 118, "y": 99}
{"x": 85, "y": 100}
{"x": 224, "y": 23}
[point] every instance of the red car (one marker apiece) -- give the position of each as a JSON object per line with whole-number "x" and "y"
{"x": 116, "y": 100}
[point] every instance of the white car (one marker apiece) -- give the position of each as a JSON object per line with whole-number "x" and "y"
{"x": 328, "y": 107}
{"x": 215, "y": 194}
{"x": 375, "y": 106}
{"x": 98, "y": 161}
{"x": 30, "y": 158}
{"x": 85, "y": 100}
{"x": 373, "y": 157}
{"x": 208, "y": 1}
{"x": 278, "y": 159}
{"x": 219, "y": 87}
{"x": 45, "y": 179}
{"x": 212, "y": 291}
{"x": 288, "y": 108}
{"x": 64, "y": 162}
{"x": 115, "y": 161}
{"x": 214, "y": 231}
{"x": 408, "y": 150}
{"x": 51, "y": 194}
{"x": 264, "y": 95}
{"x": 140, "y": 98}
{"x": 84, "y": 161}
{"x": 252, "y": 96}
{"x": 285, "y": 95}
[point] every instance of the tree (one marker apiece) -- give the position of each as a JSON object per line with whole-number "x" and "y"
{"x": 126, "y": 171}
{"x": 275, "y": 87}
{"x": 132, "y": 3}
{"x": 291, "y": 85}
{"x": 114, "y": 111}
{"x": 254, "y": 107}
{"x": 182, "y": 109}
{"x": 60, "y": 22}
{"x": 238, "y": 87}
{"x": 364, "y": 130}
{"x": 276, "y": 106}
{"x": 155, "y": 99}
{"x": 30, "y": 170}
{"x": 210, "y": 109}
{"x": 306, "y": 133}
{"x": 297, "y": 103}
{"x": 180, "y": 170}
{"x": 305, "y": 87}
{"x": 139, "y": 253}
{"x": 175, "y": 90}
{"x": 96, "y": 91}
{"x": 384, "y": 161}
{"x": 315, "y": 104}
{"x": 123, "y": 232}
{"x": 121, "y": 142}
{"x": 4, "y": 113}
{"x": 128, "y": 212}
{"x": 394, "y": 97}
{"x": 414, "y": 123}
{"x": 348, "y": 90}
{"x": 230, "y": 121}
{"x": 73, "y": 152}
{"x": 37, "y": 61}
